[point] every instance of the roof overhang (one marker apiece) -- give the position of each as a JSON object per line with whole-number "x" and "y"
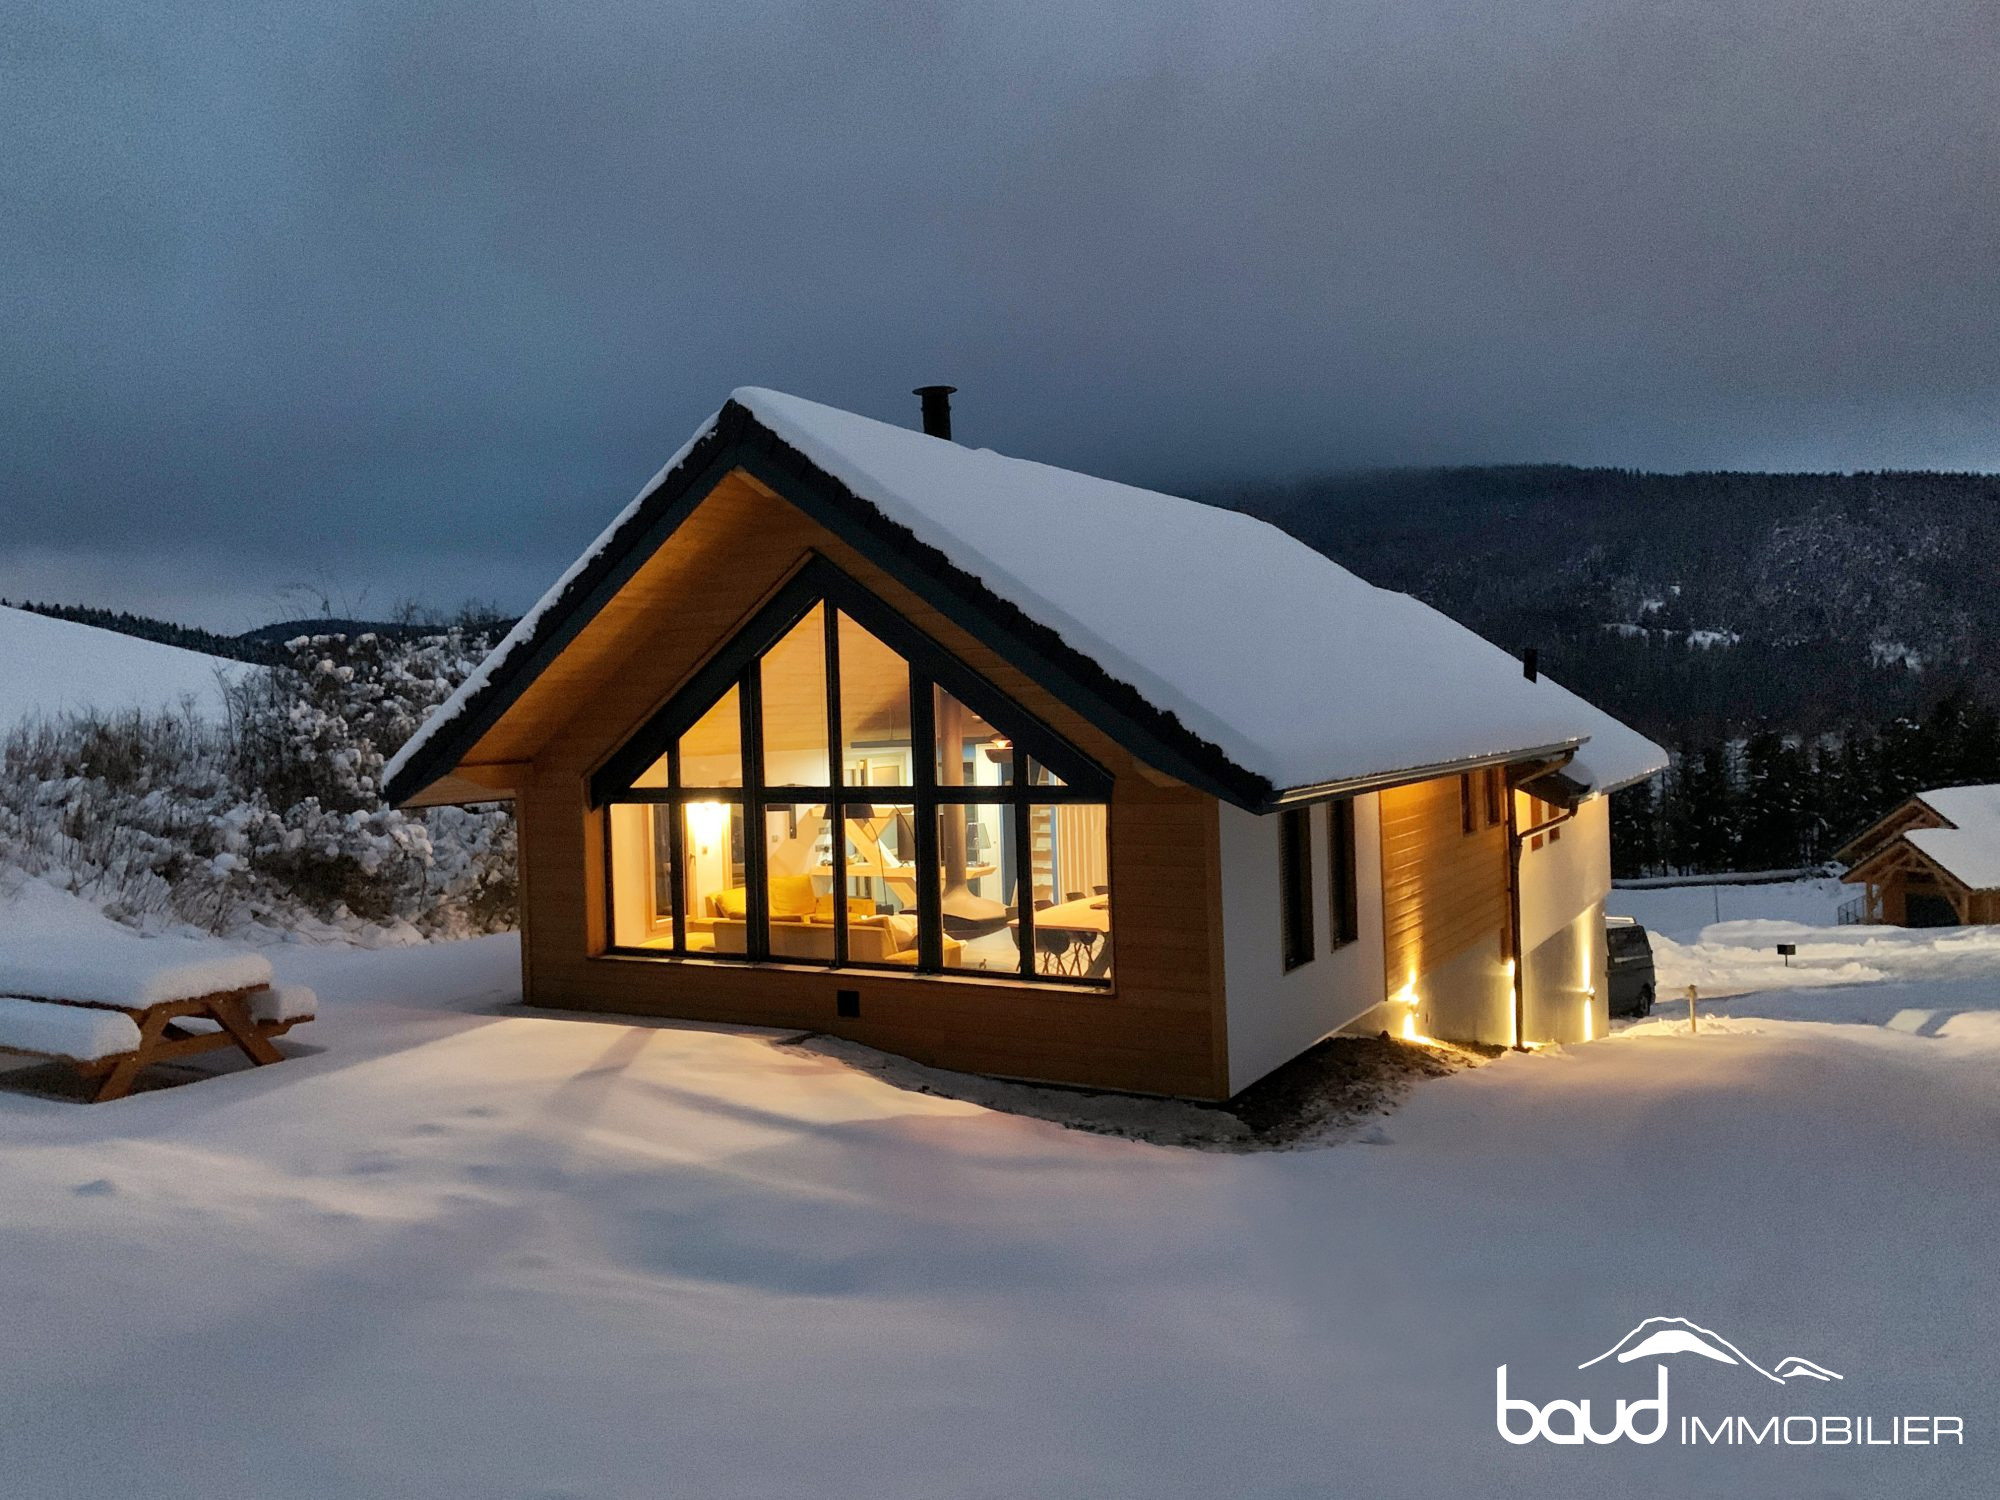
{"x": 1885, "y": 830}
{"x": 1900, "y": 850}
{"x": 1329, "y": 791}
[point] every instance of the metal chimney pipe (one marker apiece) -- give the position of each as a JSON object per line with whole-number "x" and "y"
{"x": 1531, "y": 663}
{"x": 937, "y": 408}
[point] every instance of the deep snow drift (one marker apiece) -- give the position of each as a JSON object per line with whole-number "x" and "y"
{"x": 456, "y": 1250}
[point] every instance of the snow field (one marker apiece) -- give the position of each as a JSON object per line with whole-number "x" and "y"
{"x": 50, "y": 667}
{"x": 457, "y": 1249}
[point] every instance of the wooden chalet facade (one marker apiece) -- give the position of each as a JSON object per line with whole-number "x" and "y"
{"x": 797, "y": 744}
{"x": 1933, "y": 862}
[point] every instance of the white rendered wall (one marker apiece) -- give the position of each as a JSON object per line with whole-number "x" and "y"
{"x": 1563, "y": 889}
{"x": 1563, "y": 995}
{"x": 1559, "y": 880}
{"x": 1273, "y": 1016}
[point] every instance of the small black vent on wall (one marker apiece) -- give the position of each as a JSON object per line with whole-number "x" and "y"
{"x": 847, "y": 1004}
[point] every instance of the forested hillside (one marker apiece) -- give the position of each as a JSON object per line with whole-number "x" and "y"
{"x": 1812, "y": 647}
{"x": 1696, "y": 606}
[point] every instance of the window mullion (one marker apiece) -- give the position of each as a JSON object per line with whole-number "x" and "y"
{"x": 836, "y": 760}
{"x": 676, "y": 846}
{"x": 1024, "y": 865}
{"x": 923, "y": 734}
{"x": 756, "y": 893}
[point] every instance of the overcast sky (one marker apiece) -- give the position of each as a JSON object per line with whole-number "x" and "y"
{"x": 405, "y": 300}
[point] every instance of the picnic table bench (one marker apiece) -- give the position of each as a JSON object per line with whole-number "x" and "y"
{"x": 113, "y": 1012}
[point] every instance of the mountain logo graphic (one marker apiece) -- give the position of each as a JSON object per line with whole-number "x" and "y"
{"x": 1658, "y": 1337}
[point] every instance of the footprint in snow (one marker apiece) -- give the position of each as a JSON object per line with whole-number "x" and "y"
{"x": 97, "y": 1187}
{"x": 1374, "y": 1135}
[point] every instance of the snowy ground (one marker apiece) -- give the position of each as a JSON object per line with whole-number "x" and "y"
{"x": 1682, "y": 911}
{"x": 50, "y": 667}
{"x": 1738, "y": 955}
{"x": 457, "y": 1250}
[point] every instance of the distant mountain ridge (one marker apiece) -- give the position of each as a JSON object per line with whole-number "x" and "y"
{"x": 1693, "y": 605}
{"x": 146, "y": 628}
{"x": 258, "y": 646}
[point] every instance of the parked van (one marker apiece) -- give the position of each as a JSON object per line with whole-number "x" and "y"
{"x": 1628, "y": 956}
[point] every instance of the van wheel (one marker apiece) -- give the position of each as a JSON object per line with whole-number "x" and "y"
{"x": 1645, "y": 1002}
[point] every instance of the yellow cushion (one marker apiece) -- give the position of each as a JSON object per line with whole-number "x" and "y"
{"x": 734, "y": 902}
{"x": 792, "y": 896}
{"x": 857, "y": 906}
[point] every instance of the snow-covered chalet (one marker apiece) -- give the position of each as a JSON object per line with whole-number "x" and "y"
{"x": 847, "y": 727}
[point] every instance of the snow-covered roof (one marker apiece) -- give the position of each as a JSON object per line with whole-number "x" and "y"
{"x": 1969, "y": 850}
{"x": 1296, "y": 670}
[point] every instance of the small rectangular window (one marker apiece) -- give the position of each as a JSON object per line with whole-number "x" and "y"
{"x": 1295, "y": 885}
{"x": 1466, "y": 805}
{"x": 1344, "y": 906}
{"x": 1495, "y": 787}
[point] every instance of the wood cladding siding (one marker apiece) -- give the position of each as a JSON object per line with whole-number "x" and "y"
{"x": 1160, "y": 1028}
{"x": 1444, "y": 891}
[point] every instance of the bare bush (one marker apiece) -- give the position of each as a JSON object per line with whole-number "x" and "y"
{"x": 270, "y": 817}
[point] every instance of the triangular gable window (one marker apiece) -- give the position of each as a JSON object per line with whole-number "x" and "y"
{"x": 835, "y": 788}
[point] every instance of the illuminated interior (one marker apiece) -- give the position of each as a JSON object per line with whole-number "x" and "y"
{"x": 840, "y": 804}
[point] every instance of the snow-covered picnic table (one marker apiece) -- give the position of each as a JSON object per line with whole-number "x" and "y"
{"x": 114, "y": 1008}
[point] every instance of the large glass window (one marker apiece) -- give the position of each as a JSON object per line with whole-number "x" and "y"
{"x": 712, "y": 750}
{"x": 713, "y": 874}
{"x": 979, "y": 886}
{"x": 1068, "y": 871}
{"x": 793, "y": 700}
{"x": 845, "y": 794}
{"x": 970, "y": 751}
{"x": 875, "y": 734}
{"x": 642, "y": 887}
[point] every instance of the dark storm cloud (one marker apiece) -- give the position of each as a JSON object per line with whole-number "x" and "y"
{"x": 416, "y": 295}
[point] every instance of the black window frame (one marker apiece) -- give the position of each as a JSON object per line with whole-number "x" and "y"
{"x": 1342, "y": 876}
{"x": 1295, "y": 884}
{"x": 820, "y": 585}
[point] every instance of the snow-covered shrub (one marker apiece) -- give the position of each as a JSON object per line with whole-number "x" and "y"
{"x": 273, "y": 818}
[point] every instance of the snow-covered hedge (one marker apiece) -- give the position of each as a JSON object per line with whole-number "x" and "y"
{"x": 273, "y": 818}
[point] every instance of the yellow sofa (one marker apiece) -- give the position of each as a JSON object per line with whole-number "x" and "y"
{"x": 802, "y": 927}
{"x": 870, "y": 940}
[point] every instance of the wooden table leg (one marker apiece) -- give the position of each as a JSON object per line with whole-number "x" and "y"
{"x": 118, "y": 1082}
{"x": 233, "y": 1014}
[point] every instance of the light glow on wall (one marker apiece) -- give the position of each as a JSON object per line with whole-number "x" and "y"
{"x": 705, "y": 822}
{"x": 1407, "y": 997}
{"x": 1513, "y": 1011}
{"x": 1590, "y": 1015}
